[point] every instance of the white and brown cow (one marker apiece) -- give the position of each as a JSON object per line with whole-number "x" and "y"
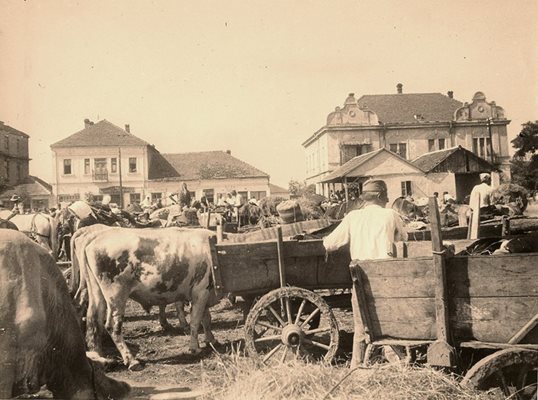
{"x": 40, "y": 339}
{"x": 150, "y": 266}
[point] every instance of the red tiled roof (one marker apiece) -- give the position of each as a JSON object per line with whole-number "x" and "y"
{"x": 102, "y": 133}
{"x": 402, "y": 107}
{"x": 209, "y": 165}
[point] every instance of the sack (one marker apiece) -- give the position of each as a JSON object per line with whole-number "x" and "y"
{"x": 290, "y": 212}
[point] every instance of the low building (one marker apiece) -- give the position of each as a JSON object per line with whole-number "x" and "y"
{"x": 104, "y": 159}
{"x": 35, "y": 193}
{"x": 407, "y": 124}
{"x": 454, "y": 170}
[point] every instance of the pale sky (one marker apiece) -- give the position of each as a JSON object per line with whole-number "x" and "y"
{"x": 255, "y": 77}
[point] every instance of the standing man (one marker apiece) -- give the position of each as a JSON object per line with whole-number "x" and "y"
{"x": 18, "y": 206}
{"x": 371, "y": 233}
{"x": 483, "y": 190}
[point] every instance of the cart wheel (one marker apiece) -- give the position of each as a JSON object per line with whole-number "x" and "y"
{"x": 514, "y": 371}
{"x": 291, "y": 322}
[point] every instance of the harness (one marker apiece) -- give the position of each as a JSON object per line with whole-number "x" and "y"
{"x": 33, "y": 233}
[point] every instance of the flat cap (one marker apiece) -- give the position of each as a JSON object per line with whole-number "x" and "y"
{"x": 374, "y": 185}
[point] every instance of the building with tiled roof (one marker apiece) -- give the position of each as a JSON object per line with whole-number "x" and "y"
{"x": 94, "y": 159}
{"x": 408, "y": 124}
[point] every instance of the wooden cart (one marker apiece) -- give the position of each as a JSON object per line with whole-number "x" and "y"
{"x": 449, "y": 305}
{"x": 455, "y": 307}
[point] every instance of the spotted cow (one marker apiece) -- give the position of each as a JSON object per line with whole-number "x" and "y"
{"x": 150, "y": 266}
{"x": 40, "y": 339}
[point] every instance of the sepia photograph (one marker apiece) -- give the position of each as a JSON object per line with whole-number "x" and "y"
{"x": 269, "y": 200}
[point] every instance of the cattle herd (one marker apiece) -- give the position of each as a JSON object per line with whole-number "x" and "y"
{"x": 42, "y": 315}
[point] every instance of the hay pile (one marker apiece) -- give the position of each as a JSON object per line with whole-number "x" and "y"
{"x": 239, "y": 378}
{"x": 510, "y": 193}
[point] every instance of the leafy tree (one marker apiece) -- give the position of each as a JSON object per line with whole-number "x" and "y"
{"x": 298, "y": 189}
{"x": 524, "y": 166}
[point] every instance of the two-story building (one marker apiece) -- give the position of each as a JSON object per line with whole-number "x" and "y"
{"x": 14, "y": 160}
{"x": 409, "y": 125}
{"x": 103, "y": 159}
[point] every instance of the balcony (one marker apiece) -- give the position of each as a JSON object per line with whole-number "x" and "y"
{"x": 100, "y": 176}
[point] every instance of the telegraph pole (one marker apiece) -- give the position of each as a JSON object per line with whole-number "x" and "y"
{"x": 119, "y": 172}
{"x": 490, "y": 141}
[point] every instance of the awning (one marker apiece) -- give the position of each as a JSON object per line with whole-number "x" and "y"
{"x": 116, "y": 190}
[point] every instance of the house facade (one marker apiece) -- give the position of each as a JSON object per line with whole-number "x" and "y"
{"x": 106, "y": 159}
{"x": 409, "y": 125}
{"x": 14, "y": 159}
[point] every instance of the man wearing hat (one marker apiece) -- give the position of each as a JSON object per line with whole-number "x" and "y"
{"x": 18, "y": 206}
{"x": 371, "y": 231}
{"x": 483, "y": 191}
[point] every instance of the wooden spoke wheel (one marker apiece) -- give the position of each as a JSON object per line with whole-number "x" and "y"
{"x": 514, "y": 371}
{"x": 291, "y": 322}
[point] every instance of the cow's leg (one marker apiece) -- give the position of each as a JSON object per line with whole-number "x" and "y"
{"x": 95, "y": 317}
{"x": 181, "y": 316}
{"x": 199, "y": 303}
{"x": 206, "y": 324}
{"x": 162, "y": 319}
{"x": 116, "y": 310}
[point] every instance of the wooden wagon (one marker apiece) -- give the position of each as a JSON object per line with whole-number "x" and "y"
{"x": 449, "y": 305}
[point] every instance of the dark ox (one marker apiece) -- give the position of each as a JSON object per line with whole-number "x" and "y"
{"x": 40, "y": 339}
{"x": 152, "y": 267}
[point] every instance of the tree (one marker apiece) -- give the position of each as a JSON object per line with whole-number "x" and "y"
{"x": 298, "y": 189}
{"x": 524, "y": 166}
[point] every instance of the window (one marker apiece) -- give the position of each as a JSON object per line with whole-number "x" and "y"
{"x": 399, "y": 148}
{"x": 155, "y": 196}
{"x": 134, "y": 198}
{"x": 6, "y": 168}
{"x": 6, "y": 144}
{"x": 100, "y": 172}
{"x": 67, "y": 166}
{"x": 441, "y": 144}
{"x": 351, "y": 151}
{"x": 481, "y": 147}
{"x": 19, "y": 173}
{"x": 114, "y": 165}
{"x": 431, "y": 145}
{"x": 406, "y": 188}
{"x": 86, "y": 166}
{"x": 67, "y": 198}
{"x": 132, "y": 164}
{"x": 258, "y": 195}
{"x": 18, "y": 145}
{"x": 210, "y": 195}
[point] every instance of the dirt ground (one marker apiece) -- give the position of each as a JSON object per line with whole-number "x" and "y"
{"x": 170, "y": 371}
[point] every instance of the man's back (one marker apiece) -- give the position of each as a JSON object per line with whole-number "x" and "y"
{"x": 371, "y": 233}
{"x": 484, "y": 190}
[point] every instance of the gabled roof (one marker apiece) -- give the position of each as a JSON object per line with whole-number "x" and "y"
{"x": 32, "y": 186}
{"x": 346, "y": 169}
{"x": 9, "y": 129}
{"x": 209, "y": 165}
{"x": 454, "y": 159}
{"x": 277, "y": 189}
{"x": 102, "y": 133}
{"x": 403, "y": 107}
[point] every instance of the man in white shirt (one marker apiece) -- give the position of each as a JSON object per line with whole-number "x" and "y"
{"x": 483, "y": 190}
{"x": 371, "y": 233}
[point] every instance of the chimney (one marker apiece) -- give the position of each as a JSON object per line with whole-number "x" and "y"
{"x": 127, "y": 128}
{"x": 450, "y": 94}
{"x": 229, "y": 152}
{"x": 399, "y": 88}
{"x": 87, "y": 123}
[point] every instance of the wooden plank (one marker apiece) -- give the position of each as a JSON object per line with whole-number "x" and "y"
{"x": 474, "y": 344}
{"x": 491, "y": 319}
{"x": 280, "y": 254}
{"x": 493, "y": 276}
{"x": 266, "y": 250}
{"x": 270, "y": 234}
{"x": 474, "y": 227}
{"x": 524, "y": 331}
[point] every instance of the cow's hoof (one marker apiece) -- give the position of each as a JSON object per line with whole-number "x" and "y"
{"x": 136, "y": 366}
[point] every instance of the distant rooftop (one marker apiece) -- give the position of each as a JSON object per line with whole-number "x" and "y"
{"x": 209, "y": 165}
{"x": 9, "y": 129}
{"x": 102, "y": 133}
